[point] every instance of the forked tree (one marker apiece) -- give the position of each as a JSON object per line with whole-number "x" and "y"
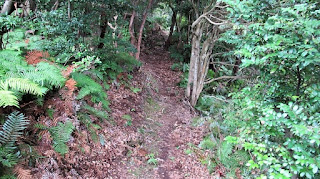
{"x": 205, "y": 31}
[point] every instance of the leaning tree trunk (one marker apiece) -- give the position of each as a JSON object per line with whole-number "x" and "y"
{"x": 141, "y": 29}
{"x": 7, "y": 7}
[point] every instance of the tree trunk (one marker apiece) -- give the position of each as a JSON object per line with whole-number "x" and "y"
{"x": 69, "y": 9}
{"x": 141, "y": 29}
{"x": 173, "y": 22}
{"x": 1, "y": 41}
{"x": 131, "y": 29}
{"x": 195, "y": 52}
{"x": 103, "y": 28}
{"x": 7, "y": 7}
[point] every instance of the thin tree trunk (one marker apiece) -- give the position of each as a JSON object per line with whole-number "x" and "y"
{"x": 103, "y": 28}
{"x": 69, "y": 9}
{"x": 235, "y": 69}
{"x": 1, "y": 41}
{"x": 173, "y": 22}
{"x": 299, "y": 81}
{"x": 141, "y": 29}
{"x": 55, "y": 5}
{"x": 7, "y": 7}
{"x": 131, "y": 29}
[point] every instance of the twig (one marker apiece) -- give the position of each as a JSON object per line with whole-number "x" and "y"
{"x": 223, "y": 63}
{"x": 224, "y": 77}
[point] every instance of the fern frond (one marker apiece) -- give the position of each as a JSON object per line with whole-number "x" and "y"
{"x": 23, "y": 85}
{"x": 7, "y": 157}
{"x": 10, "y": 55}
{"x": 96, "y": 112}
{"x": 90, "y": 87}
{"x": 52, "y": 74}
{"x": 12, "y": 129}
{"x": 61, "y": 134}
{"x": 22, "y": 173}
{"x": 7, "y": 98}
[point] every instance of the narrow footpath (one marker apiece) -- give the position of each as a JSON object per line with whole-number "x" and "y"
{"x": 169, "y": 141}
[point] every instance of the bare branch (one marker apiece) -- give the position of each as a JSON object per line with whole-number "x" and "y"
{"x": 225, "y": 77}
{"x": 214, "y": 23}
{"x": 223, "y": 63}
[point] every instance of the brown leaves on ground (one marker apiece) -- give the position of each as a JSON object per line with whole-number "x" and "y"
{"x": 34, "y": 57}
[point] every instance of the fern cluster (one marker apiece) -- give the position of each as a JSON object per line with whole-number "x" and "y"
{"x": 18, "y": 78}
{"x": 11, "y": 130}
{"x": 95, "y": 112}
{"x": 61, "y": 134}
{"x": 90, "y": 87}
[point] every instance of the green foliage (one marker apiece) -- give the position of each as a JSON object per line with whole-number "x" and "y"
{"x": 277, "y": 115}
{"x": 152, "y": 160}
{"x": 117, "y": 62}
{"x": 10, "y": 85}
{"x": 9, "y": 22}
{"x": 11, "y": 130}
{"x": 89, "y": 87}
{"x": 61, "y": 135}
{"x": 91, "y": 127}
{"x": 18, "y": 78}
{"x": 135, "y": 90}
{"x": 128, "y": 118}
{"x": 93, "y": 111}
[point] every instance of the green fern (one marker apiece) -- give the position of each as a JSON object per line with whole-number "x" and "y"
{"x": 95, "y": 112}
{"x": 90, "y": 87}
{"x": 61, "y": 134}
{"x": 7, "y": 88}
{"x": 11, "y": 130}
{"x": 23, "y": 85}
{"x": 18, "y": 78}
{"x": 7, "y": 98}
{"x": 86, "y": 120}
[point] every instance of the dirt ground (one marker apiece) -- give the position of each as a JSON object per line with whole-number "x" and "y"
{"x": 166, "y": 131}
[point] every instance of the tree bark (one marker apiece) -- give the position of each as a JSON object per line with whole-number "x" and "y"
{"x": 69, "y": 9}
{"x": 131, "y": 29}
{"x": 1, "y": 41}
{"x": 103, "y": 28}
{"x": 141, "y": 29}
{"x": 173, "y": 22}
{"x": 195, "y": 52}
{"x": 7, "y": 7}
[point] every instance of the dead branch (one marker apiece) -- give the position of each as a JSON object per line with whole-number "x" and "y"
{"x": 223, "y": 63}
{"x": 225, "y": 77}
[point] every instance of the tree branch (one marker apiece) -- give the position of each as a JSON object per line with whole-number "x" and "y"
{"x": 223, "y": 63}
{"x": 225, "y": 77}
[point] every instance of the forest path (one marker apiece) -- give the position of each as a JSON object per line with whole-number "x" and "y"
{"x": 168, "y": 148}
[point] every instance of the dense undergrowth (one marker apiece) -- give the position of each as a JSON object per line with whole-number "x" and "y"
{"x": 43, "y": 55}
{"x": 265, "y": 124}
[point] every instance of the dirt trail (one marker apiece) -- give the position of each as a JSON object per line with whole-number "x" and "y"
{"x": 168, "y": 147}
